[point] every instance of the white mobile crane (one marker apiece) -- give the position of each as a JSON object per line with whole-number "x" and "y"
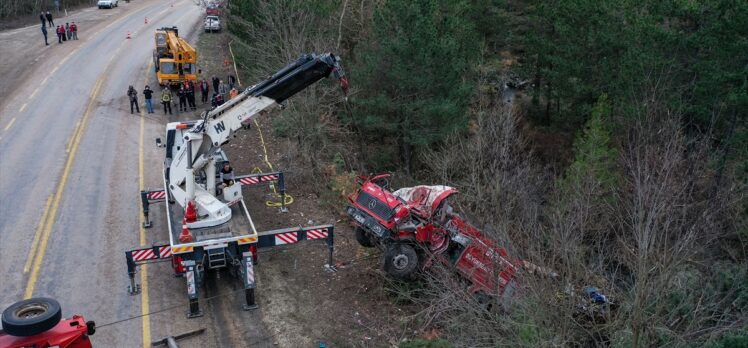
{"x": 211, "y": 227}
{"x": 202, "y": 143}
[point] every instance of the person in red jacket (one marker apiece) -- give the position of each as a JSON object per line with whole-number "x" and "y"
{"x": 60, "y": 33}
{"x": 74, "y": 30}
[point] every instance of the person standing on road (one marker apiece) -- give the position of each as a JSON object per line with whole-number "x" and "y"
{"x": 166, "y": 99}
{"x": 59, "y": 31}
{"x": 44, "y": 31}
{"x": 216, "y": 81}
{"x": 74, "y": 30}
{"x": 49, "y": 19}
{"x": 191, "y": 95}
{"x": 232, "y": 81}
{"x": 133, "y": 99}
{"x": 67, "y": 30}
{"x": 148, "y": 93}
{"x": 44, "y": 19}
{"x": 204, "y": 91}
{"x": 182, "y": 95}
{"x": 223, "y": 90}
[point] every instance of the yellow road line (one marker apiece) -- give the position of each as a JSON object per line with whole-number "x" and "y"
{"x": 144, "y": 303}
{"x": 37, "y": 235}
{"x": 10, "y": 124}
{"x": 22, "y": 107}
{"x": 75, "y": 134}
{"x": 39, "y": 257}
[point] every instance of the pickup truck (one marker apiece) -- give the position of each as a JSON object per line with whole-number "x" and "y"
{"x": 212, "y": 23}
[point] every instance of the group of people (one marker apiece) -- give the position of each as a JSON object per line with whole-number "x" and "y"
{"x": 185, "y": 95}
{"x": 69, "y": 31}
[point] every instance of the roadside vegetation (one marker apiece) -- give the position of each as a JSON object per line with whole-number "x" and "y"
{"x": 13, "y": 8}
{"x": 606, "y": 140}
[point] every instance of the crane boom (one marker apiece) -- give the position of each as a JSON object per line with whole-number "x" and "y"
{"x": 205, "y": 138}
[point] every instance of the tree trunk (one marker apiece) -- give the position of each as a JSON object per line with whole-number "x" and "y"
{"x": 407, "y": 153}
{"x": 725, "y": 152}
{"x": 548, "y": 99}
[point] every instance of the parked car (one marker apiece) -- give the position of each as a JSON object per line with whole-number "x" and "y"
{"x": 212, "y": 23}
{"x": 108, "y": 3}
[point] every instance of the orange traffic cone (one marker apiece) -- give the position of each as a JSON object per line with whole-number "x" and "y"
{"x": 185, "y": 236}
{"x": 128, "y": 35}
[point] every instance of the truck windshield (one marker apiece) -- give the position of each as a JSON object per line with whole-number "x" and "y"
{"x": 168, "y": 68}
{"x": 160, "y": 39}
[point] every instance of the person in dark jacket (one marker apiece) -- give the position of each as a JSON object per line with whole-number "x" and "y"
{"x": 191, "y": 95}
{"x": 44, "y": 19}
{"x": 49, "y": 19}
{"x": 232, "y": 81}
{"x": 67, "y": 30}
{"x": 182, "y": 95}
{"x": 44, "y": 31}
{"x": 148, "y": 93}
{"x": 216, "y": 82}
{"x": 204, "y": 91}
{"x": 133, "y": 99}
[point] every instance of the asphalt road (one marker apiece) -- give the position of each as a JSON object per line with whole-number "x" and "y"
{"x": 72, "y": 160}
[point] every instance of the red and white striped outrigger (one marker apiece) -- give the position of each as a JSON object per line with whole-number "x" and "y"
{"x": 240, "y": 252}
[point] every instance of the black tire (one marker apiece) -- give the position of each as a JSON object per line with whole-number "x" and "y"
{"x": 31, "y": 317}
{"x": 363, "y": 238}
{"x": 400, "y": 261}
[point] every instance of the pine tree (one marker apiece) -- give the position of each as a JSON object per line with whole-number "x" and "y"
{"x": 414, "y": 79}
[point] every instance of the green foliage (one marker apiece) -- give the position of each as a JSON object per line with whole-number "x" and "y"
{"x": 733, "y": 341}
{"x": 421, "y": 343}
{"x": 415, "y": 80}
{"x": 682, "y": 54}
{"x": 594, "y": 155}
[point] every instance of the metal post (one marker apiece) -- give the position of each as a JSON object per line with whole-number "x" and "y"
{"x": 132, "y": 289}
{"x": 249, "y": 281}
{"x": 330, "y": 267}
{"x": 192, "y": 291}
{"x": 144, "y": 201}
{"x": 282, "y": 188}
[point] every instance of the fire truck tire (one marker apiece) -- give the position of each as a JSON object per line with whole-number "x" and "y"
{"x": 363, "y": 238}
{"x": 31, "y": 317}
{"x": 400, "y": 261}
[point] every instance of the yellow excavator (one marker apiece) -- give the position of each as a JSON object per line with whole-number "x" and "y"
{"x": 174, "y": 59}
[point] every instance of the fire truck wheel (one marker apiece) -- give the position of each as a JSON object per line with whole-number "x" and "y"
{"x": 400, "y": 260}
{"x": 31, "y": 317}
{"x": 363, "y": 238}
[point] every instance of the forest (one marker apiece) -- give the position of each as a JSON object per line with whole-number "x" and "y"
{"x": 605, "y": 140}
